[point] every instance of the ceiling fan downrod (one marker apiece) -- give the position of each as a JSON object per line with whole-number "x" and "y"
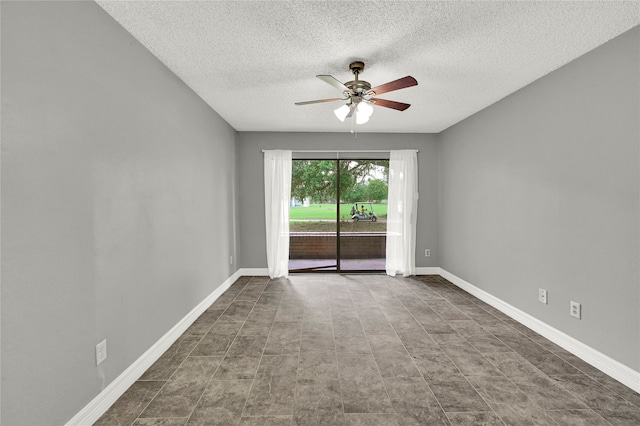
{"x": 360, "y": 87}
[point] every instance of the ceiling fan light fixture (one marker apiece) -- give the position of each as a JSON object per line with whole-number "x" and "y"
{"x": 361, "y": 118}
{"x": 342, "y": 112}
{"x": 365, "y": 108}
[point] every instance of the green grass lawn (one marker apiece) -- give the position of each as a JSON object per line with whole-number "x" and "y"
{"x": 328, "y": 211}
{"x": 345, "y": 226}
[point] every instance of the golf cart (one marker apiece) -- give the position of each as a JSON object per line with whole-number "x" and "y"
{"x": 359, "y": 212}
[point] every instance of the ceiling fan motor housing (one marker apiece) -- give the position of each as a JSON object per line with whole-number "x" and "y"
{"x": 360, "y": 87}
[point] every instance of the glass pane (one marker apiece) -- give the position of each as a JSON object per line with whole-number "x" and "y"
{"x": 313, "y": 214}
{"x": 363, "y": 214}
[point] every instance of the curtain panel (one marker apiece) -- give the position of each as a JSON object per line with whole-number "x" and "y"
{"x": 277, "y": 195}
{"x": 402, "y": 213}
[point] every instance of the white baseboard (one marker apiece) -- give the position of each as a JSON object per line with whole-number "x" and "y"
{"x": 254, "y": 272}
{"x": 602, "y": 362}
{"x": 99, "y": 405}
{"x": 429, "y": 270}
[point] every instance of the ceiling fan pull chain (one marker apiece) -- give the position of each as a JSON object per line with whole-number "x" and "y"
{"x": 354, "y": 128}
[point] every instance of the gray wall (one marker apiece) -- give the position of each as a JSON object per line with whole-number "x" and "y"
{"x": 117, "y": 205}
{"x": 542, "y": 190}
{"x": 251, "y": 242}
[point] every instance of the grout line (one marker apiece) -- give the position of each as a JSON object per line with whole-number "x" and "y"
{"x": 448, "y": 357}
{"x": 150, "y": 401}
{"x": 366, "y": 336}
{"x": 471, "y": 384}
{"x": 541, "y": 409}
{"x": 295, "y": 387}
{"x": 436, "y": 343}
{"x": 244, "y": 406}
{"x": 335, "y": 350}
{"x": 223, "y": 356}
{"x": 168, "y": 379}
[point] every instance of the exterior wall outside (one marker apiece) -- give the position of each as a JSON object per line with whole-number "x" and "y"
{"x": 541, "y": 190}
{"x": 118, "y": 195}
{"x": 323, "y": 246}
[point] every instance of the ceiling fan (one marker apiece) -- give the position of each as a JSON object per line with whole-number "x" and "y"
{"x": 361, "y": 96}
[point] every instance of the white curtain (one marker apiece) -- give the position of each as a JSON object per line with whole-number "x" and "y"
{"x": 277, "y": 195}
{"x": 402, "y": 213}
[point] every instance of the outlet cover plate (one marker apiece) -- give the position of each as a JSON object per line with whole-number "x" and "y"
{"x": 427, "y": 253}
{"x": 101, "y": 352}
{"x": 576, "y": 310}
{"x": 542, "y": 295}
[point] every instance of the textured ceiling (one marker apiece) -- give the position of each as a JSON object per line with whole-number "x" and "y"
{"x": 252, "y": 60}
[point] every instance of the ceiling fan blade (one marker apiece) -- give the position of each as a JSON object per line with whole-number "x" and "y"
{"x": 319, "y": 101}
{"x": 398, "y": 84}
{"x": 400, "y": 106}
{"x": 334, "y": 82}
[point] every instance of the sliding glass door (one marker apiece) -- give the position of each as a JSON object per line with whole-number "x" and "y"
{"x": 338, "y": 215}
{"x": 363, "y": 214}
{"x": 313, "y": 212}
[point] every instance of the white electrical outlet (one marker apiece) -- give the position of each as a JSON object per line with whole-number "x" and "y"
{"x": 230, "y": 260}
{"x": 542, "y": 295}
{"x": 576, "y": 310}
{"x": 427, "y": 253}
{"x": 101, "y": 352}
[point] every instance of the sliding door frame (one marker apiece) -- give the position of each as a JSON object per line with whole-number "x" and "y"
{"x": 338, "y": 269}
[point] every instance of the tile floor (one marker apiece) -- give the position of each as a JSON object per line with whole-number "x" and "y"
{"x": 328, "y": 349}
